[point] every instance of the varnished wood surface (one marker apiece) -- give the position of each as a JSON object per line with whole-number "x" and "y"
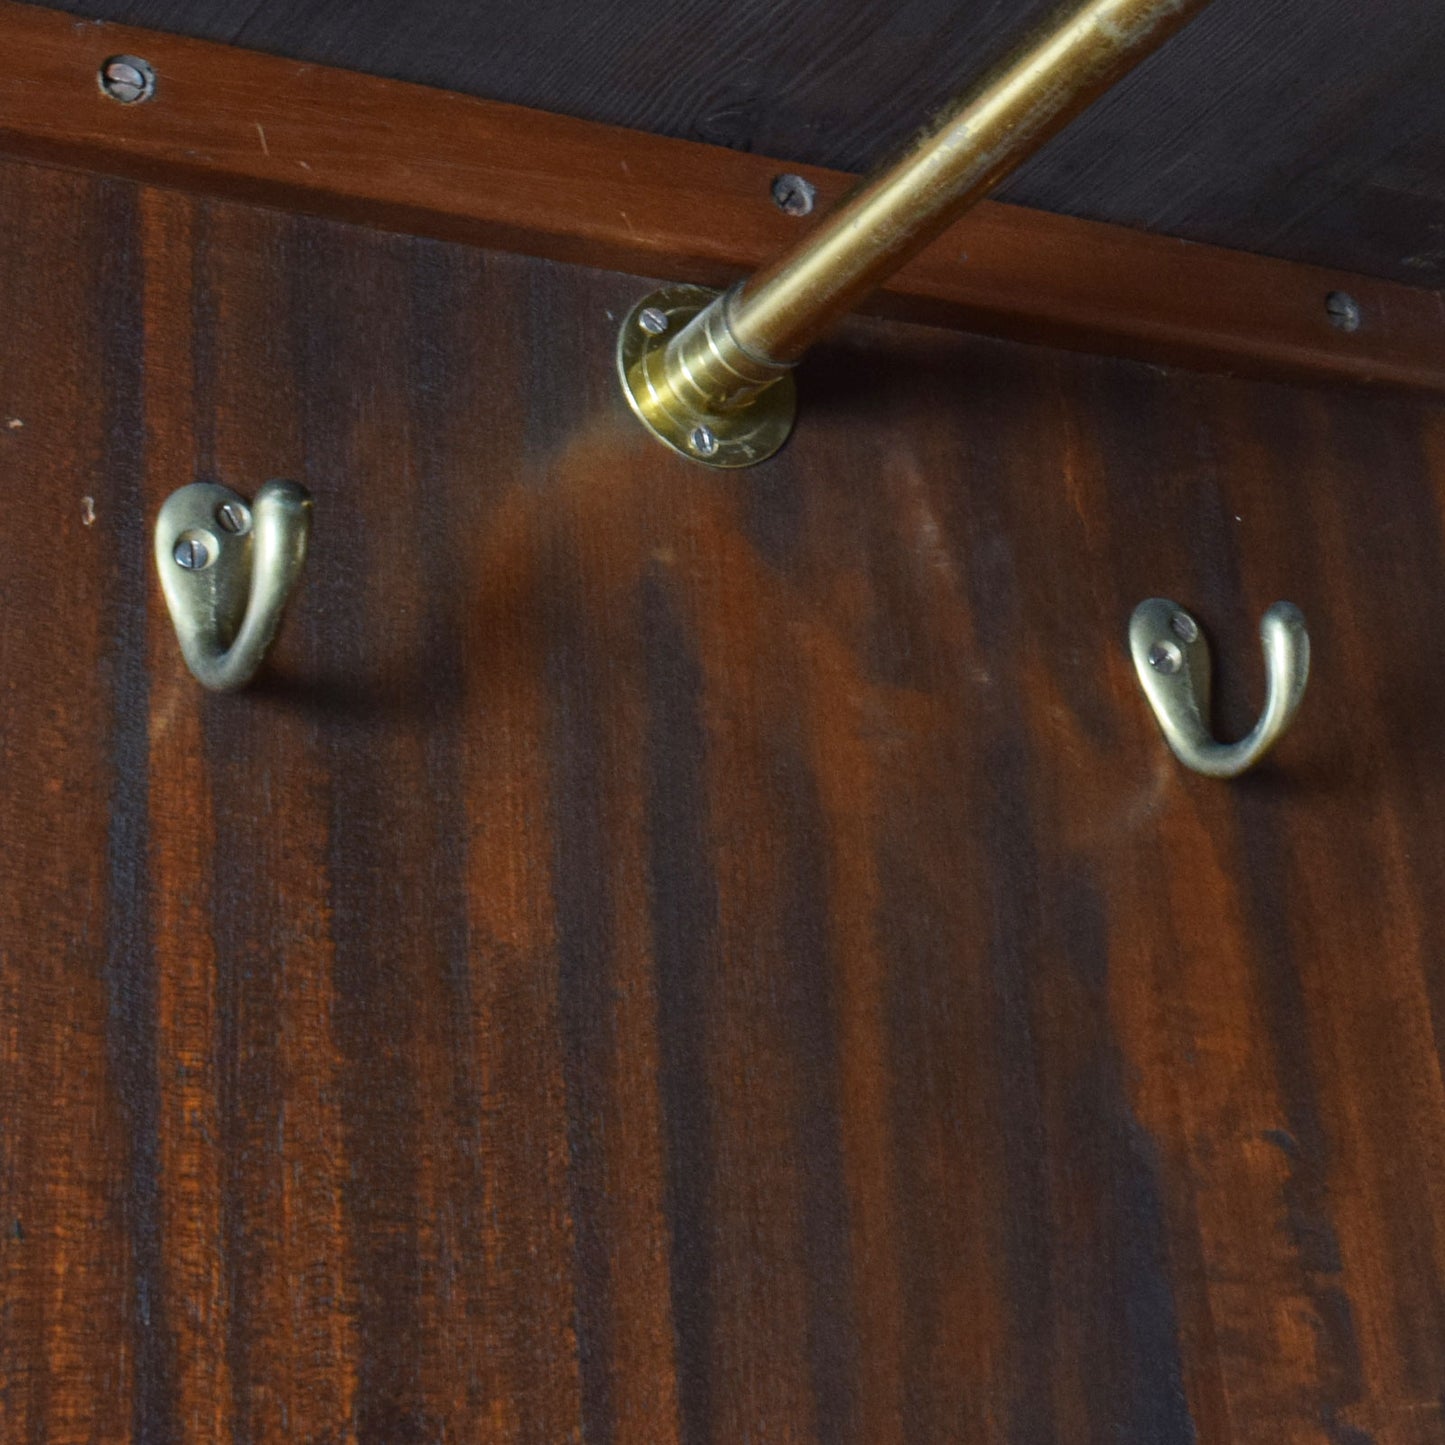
{"x": 239, "y": 124}
{"x": 1307, "y": 129}
{"x": 677, "y": 957}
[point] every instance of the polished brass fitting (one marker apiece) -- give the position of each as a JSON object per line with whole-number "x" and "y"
{"x": 723, "y": 359}
{"x": 694, "y": 387}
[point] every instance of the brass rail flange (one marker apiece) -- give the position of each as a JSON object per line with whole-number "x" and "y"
{"x": 745, "y": 420}
{"x": 711, "y": 375}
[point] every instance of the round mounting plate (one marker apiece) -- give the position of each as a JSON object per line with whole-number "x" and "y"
{"x": 738, "y": 438}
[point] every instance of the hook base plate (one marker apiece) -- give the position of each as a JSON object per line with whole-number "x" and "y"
{"x": 226, "y": 569}
{"x": 1171, "y": 657}
{"x": 205, "y": 563}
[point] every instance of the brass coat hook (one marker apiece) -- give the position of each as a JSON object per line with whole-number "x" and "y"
{"x": 226, "y": 570}
{"x": 1172, "y": 659}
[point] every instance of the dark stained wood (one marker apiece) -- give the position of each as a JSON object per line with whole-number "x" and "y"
{"x": 1312, "y": 130}
{"x": 672, "y": 957}
{"x": 425, "y": 162}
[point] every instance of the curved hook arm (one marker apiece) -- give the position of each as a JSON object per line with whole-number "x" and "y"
{"x": 1172, "y": 659}
{"x": 226, "y": 570}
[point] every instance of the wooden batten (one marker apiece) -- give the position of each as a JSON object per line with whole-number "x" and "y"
{"x": 403, "y": 157}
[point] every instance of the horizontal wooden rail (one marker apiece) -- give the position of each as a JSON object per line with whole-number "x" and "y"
{"x": 403, "y": 157}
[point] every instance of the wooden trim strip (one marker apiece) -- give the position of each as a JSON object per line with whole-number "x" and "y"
{"x": 402, "y": 157}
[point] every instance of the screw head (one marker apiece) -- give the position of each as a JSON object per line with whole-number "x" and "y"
{"x": 653, "y": 321}
{"x": 191, "y": 553}
{"x": 233, "y": 517}
{"x": 127, "y": 78}
{"x": 1344, "y": 311}
{"x": 703, "y": 442}
{"x": 794, "y": 195}
{"x": 1184, "y": 627}
{"x": 1165, "y": 657}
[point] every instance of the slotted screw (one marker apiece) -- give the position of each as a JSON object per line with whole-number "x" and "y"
{"x": 1165, "y": 657}
{"x": 1184, "y": 627}
{"x": 191, "y": 554}
{"x": 1344, "y": 311}
{"x": 794, "y": 195}
{"x": 127, "y": 78}
{"x": 233, "y": 517}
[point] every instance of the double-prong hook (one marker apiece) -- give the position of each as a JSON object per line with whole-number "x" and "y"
{"x": 226, "y": 570}
{"x": 1172, "y": 659}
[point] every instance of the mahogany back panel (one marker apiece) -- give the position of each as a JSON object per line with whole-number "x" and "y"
{"x": 675, "y": 957}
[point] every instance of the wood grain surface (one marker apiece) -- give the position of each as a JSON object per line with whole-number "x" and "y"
{"x": 1307, "y": 129}
{"x": 238, "y": 124}
{"x": 677, "y": 957}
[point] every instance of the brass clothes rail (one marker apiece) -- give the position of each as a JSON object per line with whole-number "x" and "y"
{"x": 711, "y": 375}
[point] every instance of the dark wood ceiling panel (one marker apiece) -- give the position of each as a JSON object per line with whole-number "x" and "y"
{"x": 1311, "y": 129}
